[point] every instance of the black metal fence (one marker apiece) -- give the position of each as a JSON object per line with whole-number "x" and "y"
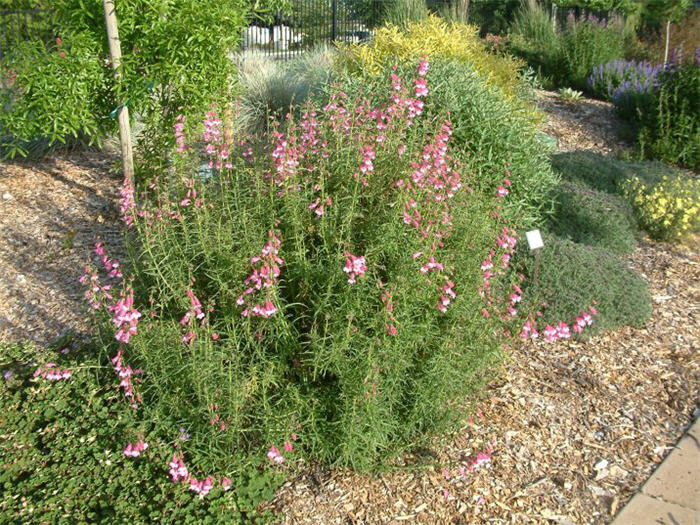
{"x": 21, "y": 24}
{"x": 309, "y": 23}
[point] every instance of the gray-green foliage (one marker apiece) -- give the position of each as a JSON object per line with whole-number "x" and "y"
{"x": 595, "y": 218}
{"x": 270, "y": 88}
{"x": 496, "y": 137}
{"x": 573, "y": 276}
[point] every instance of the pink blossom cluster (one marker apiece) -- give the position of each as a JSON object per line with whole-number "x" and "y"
{"x": 178, "y": 472}
{"x": 96, "y": 293}
{"x": 505, "y": 243}
{"x": 217, "y": 143}
{"x": 561, "y": 330}
{"x": 125, "y": 316}
{"x": 266, "y": 270}
{"x": 195, "y": 312}
{"x": 52, "y": 372}
{"x": 354, "y": 266}
{"x": 191, "y": 195}
{"x": 126, "y": 201}
{"x": 126, "y": 377}
{"x": 180, "y": 145}
{"x": 274, "y": 454}
{"x": 285, "y": 156}
{"x": 134, "y": 450}
{"x": 111, "y": 265}
{"x": 481, "y": 459}
{"x": 502, "y": 191}
{"x": 216, "y": 419}
{"x": 318, "y": 207}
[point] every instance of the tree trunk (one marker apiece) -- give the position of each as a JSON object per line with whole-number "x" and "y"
{"x": 668, "y": 38}
{"x": 115, "y": 52}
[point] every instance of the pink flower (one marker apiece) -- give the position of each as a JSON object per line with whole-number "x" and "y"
{"x": 354, "y": 266}
{"x": 288, "y": 447}
{"x": 391, "y": 330}
{"x": 226, "y": 483}
{"x": 421, "y": 88}
{"x": 550, "y": 333}
{"x": 178, "y": 471}
{"x": 563, "y": 331}
{"x": 501, "y": 191}
{"x": 134, "y": 451}
{"x": 423, "y": 68}
{"x": 274, "y": 455}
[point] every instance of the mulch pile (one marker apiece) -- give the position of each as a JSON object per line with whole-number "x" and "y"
{"x": 576, "y": 427}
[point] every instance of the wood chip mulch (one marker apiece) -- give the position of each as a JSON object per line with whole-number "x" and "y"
{"x": 586, "y": 124}
{"x": 51, "y": 213}
{"x": 576, "y": 427}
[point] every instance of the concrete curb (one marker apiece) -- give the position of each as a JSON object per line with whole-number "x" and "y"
{"x": 671, "y": 496}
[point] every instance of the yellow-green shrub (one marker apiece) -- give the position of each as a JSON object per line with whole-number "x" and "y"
{"x": 436, "y": 38}
{"x": 666, "y": 210}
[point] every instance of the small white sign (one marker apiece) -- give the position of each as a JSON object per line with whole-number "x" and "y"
{"x": 534, "y": 239}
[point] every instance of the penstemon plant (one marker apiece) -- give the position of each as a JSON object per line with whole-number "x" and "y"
{"x": 325, "y": 288}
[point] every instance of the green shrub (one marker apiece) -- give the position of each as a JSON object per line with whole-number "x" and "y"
{"x": 606, "y": 174}
{"x": 496, "y": 139}
{"x": 593, "y": 218}
{"x": 62, "y": 443}
{"x": 361, "y": 367}
{"x": 573, "y": 276}
{"x": 587, "y": 43}
{"x": 670, "y": 129}
{"x": 403, "y": 12}
{"x": 49, "y": 94}
{"x": 439, "y": 40}
{"x": 566, "y": 55}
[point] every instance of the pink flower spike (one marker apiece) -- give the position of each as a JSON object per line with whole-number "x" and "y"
{"x": 288, "y": 447}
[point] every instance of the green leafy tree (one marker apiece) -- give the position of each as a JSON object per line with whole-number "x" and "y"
{"x": 175, "y": 54}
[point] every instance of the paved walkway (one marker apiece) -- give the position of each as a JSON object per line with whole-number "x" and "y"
{"x": 672, "y": 495}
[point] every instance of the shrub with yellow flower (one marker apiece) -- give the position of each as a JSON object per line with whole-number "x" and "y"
{"x": 668, "y": 209}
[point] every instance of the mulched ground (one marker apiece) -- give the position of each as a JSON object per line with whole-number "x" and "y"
{"x": 51, "y": 213}
{"x": 576, "y": 427}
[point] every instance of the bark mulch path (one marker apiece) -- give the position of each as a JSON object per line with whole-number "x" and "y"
{"x": 576, "y": 427}
{"x": 51, "y": 213}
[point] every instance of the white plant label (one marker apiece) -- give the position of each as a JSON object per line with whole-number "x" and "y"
{"x": 534, "y": 239}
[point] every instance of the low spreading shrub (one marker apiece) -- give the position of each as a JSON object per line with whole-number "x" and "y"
{"x": 667, "y": 210}
{"x": 569, "y": 275}
{"x": 593, "y": 218}
{"x": 66, "y": 452}
{"x": 437, "y": 39}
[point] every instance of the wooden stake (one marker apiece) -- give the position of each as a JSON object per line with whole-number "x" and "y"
{"x": 115, "y": 51}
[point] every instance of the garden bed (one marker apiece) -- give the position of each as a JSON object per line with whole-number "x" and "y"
{"x": 576, "y": 427}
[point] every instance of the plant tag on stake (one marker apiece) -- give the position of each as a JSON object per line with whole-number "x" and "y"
{"x": 534, "y": 239}
{"x": 535, "y": 242}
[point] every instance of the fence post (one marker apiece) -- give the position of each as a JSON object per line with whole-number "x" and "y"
{"x": 334, "y": 23}
{"x": 115, "y": 52}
